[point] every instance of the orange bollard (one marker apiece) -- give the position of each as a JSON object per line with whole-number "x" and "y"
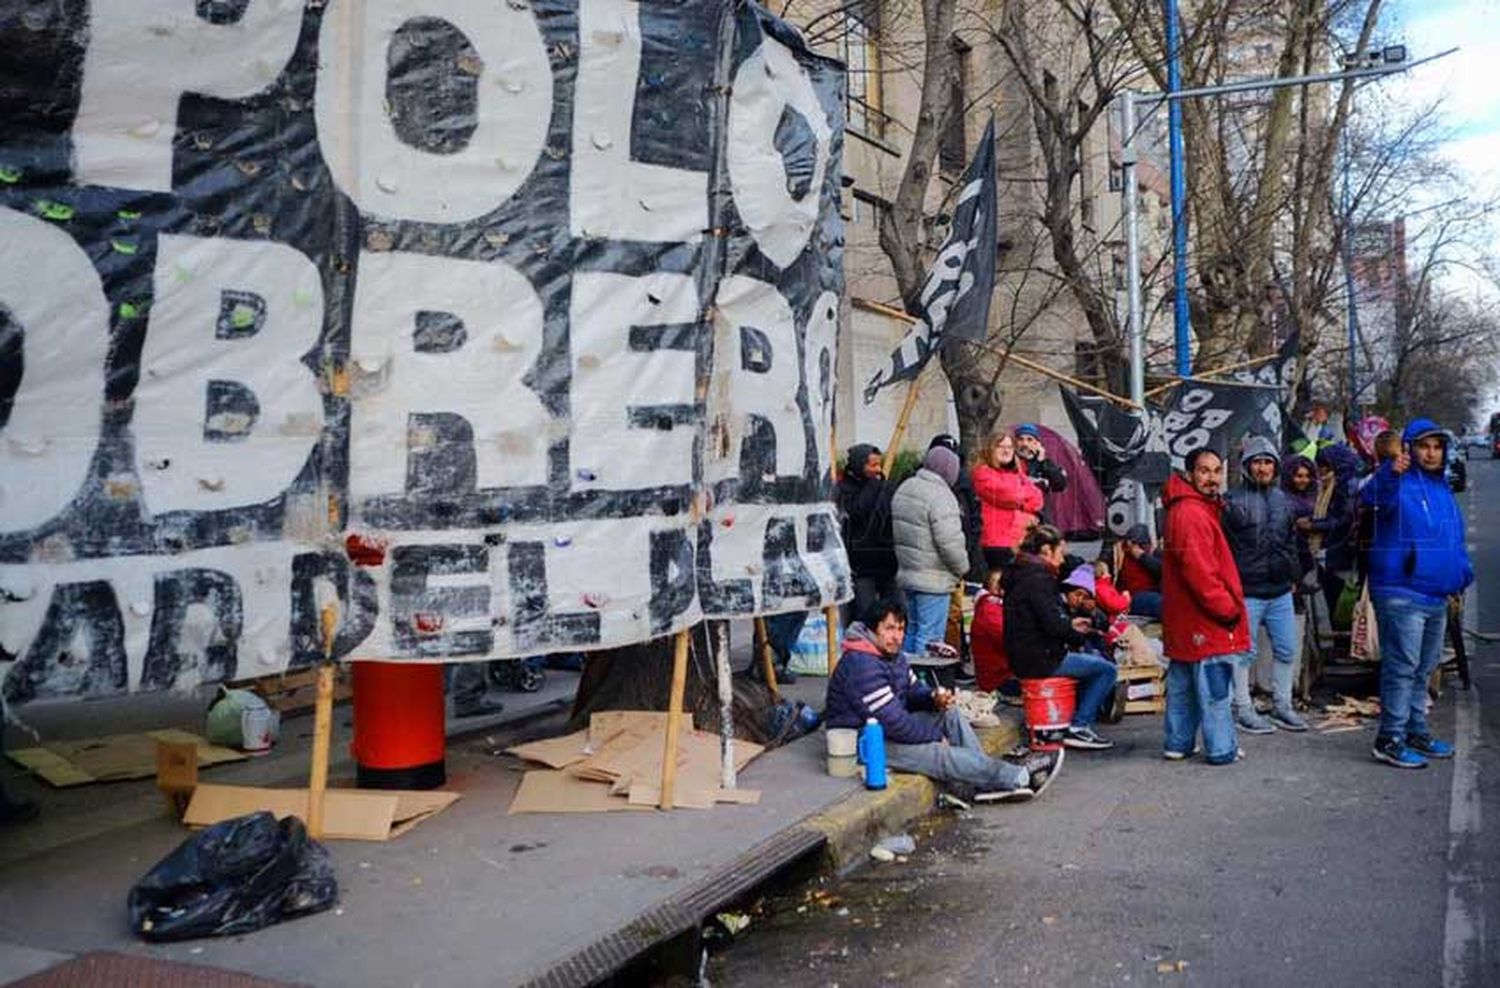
{"x": 399, "y": 737}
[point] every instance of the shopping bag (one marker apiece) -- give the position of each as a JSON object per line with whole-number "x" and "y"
{"x": 1364, "y": 641}
{"x": 1343, "y": 608}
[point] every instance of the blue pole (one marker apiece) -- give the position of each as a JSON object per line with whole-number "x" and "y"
{"x": 1349, "y": 286}
{"x": 1180, "y": 314}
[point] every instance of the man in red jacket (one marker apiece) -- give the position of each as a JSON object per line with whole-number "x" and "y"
{"x": 1203, "y": 613}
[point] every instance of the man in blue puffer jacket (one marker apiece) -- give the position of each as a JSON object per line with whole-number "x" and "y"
{"x": 924, "y": 733}
{"x": 1418, "y": 558}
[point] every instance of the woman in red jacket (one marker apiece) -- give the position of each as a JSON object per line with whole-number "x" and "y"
{"x": 1008, "y": 500}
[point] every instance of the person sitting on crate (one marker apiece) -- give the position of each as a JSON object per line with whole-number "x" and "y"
{"x": 1043, "y": 642}
{"x": 924, "y": 731}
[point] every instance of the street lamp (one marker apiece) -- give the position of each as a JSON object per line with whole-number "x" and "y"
{"x": 1387, "y": 61}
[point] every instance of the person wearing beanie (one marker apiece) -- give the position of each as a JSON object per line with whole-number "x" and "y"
{"x": 1043, "y": 640}
{"x": 864, "y": 501}
{"x": 931, "y": 554}
{"x": 1418, "y": 559}
{"x": 969, "y": 502}
{"x": 1045, "y": 473}
{"x": 1260, "y": 524}
{"x": 1138, "y": 571}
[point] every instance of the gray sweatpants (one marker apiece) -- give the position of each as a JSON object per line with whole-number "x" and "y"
{"x": 961, "y": 760}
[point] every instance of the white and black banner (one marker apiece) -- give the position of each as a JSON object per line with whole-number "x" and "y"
{"x": 955, "y": 300}
{"x": 508, "y": 327}
{"x": 1127, "y": 449}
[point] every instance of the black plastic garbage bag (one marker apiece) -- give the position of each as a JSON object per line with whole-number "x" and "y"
{"x": 234, "y": 877}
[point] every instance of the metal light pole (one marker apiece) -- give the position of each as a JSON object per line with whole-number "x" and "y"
{"x": 1133, "y": 276}
{"x": 1130, "y": 104}
{"x": 1180, "y": 316}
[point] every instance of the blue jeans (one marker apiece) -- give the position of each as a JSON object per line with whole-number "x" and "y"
{"x": 961, "y": 760}
{"x": 1146, "y": 603}
{"x": 1411, "y": 646}
{"x": 1280, "y": 620}
{"x": 1096, "y": 680}
{"x": 926, "y": 620}
{"x": 1198, "y": 695}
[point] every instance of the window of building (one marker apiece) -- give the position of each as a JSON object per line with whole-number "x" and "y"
{"x": 862, "y": 57}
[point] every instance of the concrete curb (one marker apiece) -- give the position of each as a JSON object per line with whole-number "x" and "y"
{"x": 857, "y": 822}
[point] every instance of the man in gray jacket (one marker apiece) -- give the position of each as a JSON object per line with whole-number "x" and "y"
{"x": 1260, "y": 525}
{"x": 931, "y": 554}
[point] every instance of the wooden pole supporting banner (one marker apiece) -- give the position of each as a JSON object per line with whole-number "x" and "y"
{"x": 674, "y": 718}
{"x": 322, "y": 725}
{"x": 767, "y": 657}
{"x": 899, "y": 432}
{"x": 719, "y": 632}
{"x": 831, "y": 615}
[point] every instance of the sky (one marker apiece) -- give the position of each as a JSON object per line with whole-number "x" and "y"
{"x": 1469, "y": 80}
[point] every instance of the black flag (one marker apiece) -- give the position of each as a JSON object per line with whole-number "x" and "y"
{"x": 955, "y": 301}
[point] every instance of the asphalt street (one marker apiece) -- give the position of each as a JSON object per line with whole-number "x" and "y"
{"x": 1307, "y": 863}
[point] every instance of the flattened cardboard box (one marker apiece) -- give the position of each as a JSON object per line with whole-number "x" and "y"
{"x": 348, "y": 814}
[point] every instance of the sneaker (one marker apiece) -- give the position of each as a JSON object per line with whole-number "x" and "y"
{"x": 1172, "y": 755}
{"x": 1044, "y": 766}
{"x": 1288, "y": 719}
{"x": 785, "y": 676}
{"x": 1393, "y": 751}
{"x": 1021, "y": 795}
{"x": 1251, "y": 722}
{"x": 1086, "y": 738}
{"x": 1429, "y": 746}
{"x": 484, "y": 705}
{"x": 954, "y": 801}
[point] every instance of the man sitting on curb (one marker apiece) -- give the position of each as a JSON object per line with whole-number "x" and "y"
{"x": 924, "y": 733}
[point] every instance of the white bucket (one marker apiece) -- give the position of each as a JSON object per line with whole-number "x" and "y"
{"x": 258, "y": 729}
{"x": 843, "y": 742}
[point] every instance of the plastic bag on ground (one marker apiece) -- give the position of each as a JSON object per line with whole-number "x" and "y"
{"x": 225, "y": 715}
{"x": 234, "y": 877}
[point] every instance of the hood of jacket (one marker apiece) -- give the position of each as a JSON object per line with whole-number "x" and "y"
{"x": 859, "y": 455}
{"x": 859, "y": 638}
{"x": 1420, "y": 428}
{"x": 1179, "y": 488}
{"x": 1290, "y": 467}
{"x": 1342, "y": 460}
{"x": 1138, "y": 534}
{"x": 1257, "y": 446}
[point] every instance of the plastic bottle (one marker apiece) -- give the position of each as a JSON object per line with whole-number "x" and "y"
{"x": 872, "y": 753}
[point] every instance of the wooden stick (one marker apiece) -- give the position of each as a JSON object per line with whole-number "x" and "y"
{"x": 322, "y": 725}
{"x": 719, "y": 632}
{"x": 831, "y": 615}
{"x": 767, "y": 657}
{"x": 900, "y": 431}
{"x": 1043, "y": 369}
{"x": 674, "y": 719}
{"x": 1227, "y": 369}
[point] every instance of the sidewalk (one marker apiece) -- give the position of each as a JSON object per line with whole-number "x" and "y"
{"x": 472, "y": 897}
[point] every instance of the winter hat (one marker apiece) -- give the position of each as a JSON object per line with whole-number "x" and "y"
{"x": 1081, "y": 578}
{"x": 1028, "y": 429}
{"x": 944, "y": 440}
{"x": 943, "y": 462}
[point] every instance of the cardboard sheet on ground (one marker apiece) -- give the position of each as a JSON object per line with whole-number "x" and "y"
{"x": 112, "y": 757}
{"x": 621, "y": 768}
{"x": 348, "y": 814}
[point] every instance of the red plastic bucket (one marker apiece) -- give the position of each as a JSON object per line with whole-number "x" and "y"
{"x": 1048, "y": 705}
{"x": 399, "y": 738}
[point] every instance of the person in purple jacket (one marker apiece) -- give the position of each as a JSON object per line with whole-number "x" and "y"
{"x": 924, "y": 733}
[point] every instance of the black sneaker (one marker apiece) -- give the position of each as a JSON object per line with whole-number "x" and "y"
{"x": 1044, "y": 766}
{"x": 1086, "y": 738}
{"x": 1393, "y": 751}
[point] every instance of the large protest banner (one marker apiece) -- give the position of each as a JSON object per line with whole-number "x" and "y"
{"x": 509, "y": 327}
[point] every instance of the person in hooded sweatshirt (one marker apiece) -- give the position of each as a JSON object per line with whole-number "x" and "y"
{"x": 924, "y": 731}
{"x": 1042, "y": 639}
{"x": 1260, "y": 523}
{"x": 931, "y": 554}
{"x": 1203, "y": 613}
{"x": 1333, "y": 527}
{"x": 1299, "y": 478}
{"x": 1418, "y": 558}
{"x": 864, "y": 502}
{"x": 1140, "y": 571}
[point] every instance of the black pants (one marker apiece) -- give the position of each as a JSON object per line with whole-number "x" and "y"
{"x": 868, "y": 590}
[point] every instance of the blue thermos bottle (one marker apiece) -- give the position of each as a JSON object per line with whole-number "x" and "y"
{"x": 872, "y": 753}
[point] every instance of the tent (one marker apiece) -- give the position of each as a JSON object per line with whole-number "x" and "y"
{"x": 1079, "y": 510}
